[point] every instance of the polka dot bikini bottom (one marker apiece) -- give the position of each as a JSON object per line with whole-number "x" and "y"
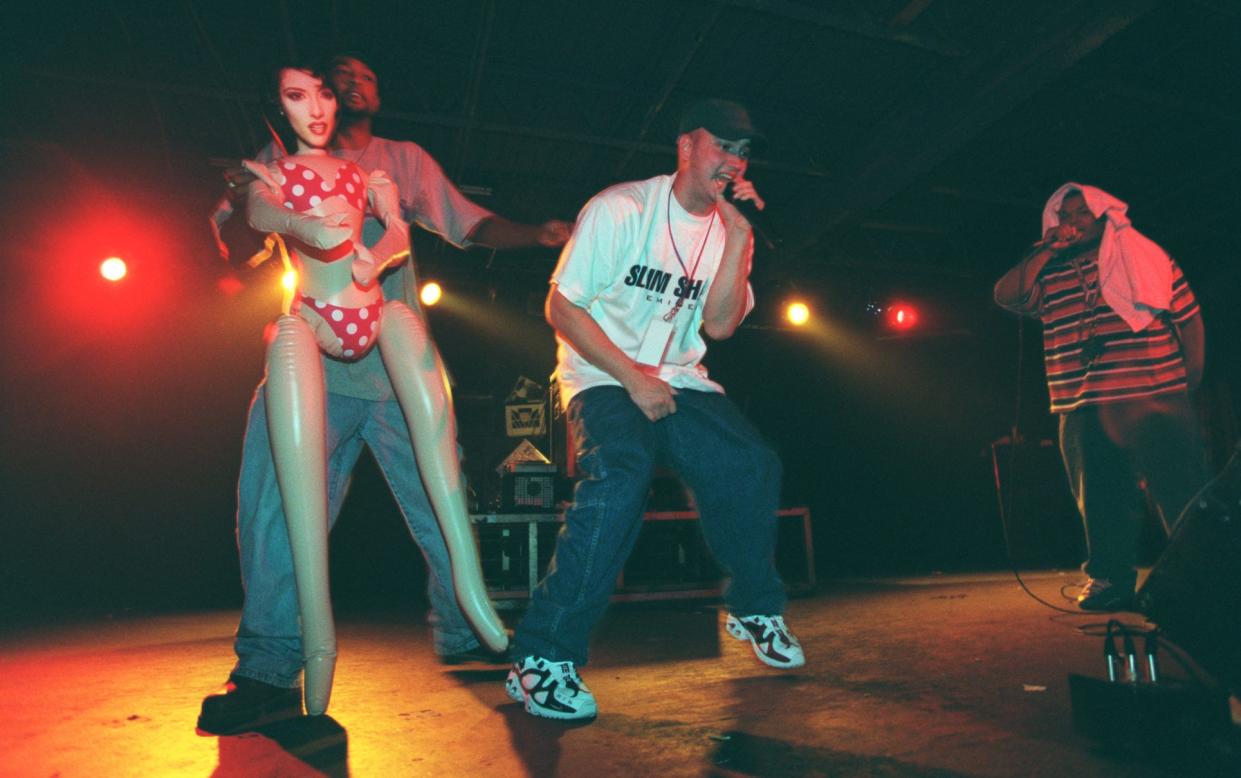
{"x": 355, "y": 328}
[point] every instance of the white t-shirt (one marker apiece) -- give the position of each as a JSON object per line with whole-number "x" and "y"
{"x": 622, "y": 267}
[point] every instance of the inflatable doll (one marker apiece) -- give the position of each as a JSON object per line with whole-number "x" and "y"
{"x": 316, "y": 204}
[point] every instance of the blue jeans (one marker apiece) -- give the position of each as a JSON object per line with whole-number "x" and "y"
{"x": 733, "y": 473}
{"x": 269, "y": 644}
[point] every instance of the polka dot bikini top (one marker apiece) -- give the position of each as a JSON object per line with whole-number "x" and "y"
{"x": 303, "y": 188}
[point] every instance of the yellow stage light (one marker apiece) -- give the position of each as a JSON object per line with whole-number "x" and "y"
{"x": 431, "y": 293}
{"x": 797, "y": 313}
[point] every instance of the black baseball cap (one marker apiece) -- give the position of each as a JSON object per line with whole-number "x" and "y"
{"x": 723, "y": 119}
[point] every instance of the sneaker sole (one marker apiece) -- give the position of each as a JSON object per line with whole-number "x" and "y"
{"x": 1123, "y": 606}
{"x": 741, "y": 633}
{"x": 546, "y": 714}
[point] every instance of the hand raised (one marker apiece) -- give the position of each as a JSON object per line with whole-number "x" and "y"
{"x": 554, "y": 233}
{"x": 730, "y": 215}
{"x": 237, "y": 179}
{"x": 1060, "y": 236}
{"x": 383, "y": 196}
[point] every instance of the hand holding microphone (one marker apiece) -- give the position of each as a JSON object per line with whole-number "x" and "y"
{"x": 740, "y": 194}
{"x": 1059, "y": 237}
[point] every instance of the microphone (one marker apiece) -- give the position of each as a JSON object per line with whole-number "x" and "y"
{"x": 1048, "y": 241}
{"x": 754, "y": 216}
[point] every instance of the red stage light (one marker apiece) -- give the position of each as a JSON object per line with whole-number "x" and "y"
{"x": 113, "y": 269}
{"x": 116, "y": 271}
{"x": 902, "y": 316}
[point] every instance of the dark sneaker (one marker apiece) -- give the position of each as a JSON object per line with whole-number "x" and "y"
{"x": 248, "y": 705}
{"x": 552, "y": 690}
{"x": 476, "y": 655}
{"x": 1100, "y": 594}
{"x": 773, "y": 644}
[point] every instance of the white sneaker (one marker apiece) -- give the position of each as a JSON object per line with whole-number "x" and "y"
{"x": 549, "y": 689}
{"x": 773, "y": 644}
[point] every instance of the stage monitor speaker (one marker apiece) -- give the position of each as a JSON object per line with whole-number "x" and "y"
{"x": 1194, "y": 591}
{"x": 528, "y": 487}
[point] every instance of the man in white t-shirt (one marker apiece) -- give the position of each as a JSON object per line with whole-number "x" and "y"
{"x": 651, "y": 267}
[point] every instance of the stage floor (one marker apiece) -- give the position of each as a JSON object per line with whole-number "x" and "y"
{"x": 939, "y": 676}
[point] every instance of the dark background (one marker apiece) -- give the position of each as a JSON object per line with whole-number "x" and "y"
{"x": 912, "y": 145}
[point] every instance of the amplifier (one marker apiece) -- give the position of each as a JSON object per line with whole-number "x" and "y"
{"x": 1194, "y": 591}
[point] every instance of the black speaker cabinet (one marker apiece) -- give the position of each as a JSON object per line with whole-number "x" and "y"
{"x": 1044, "y": 528}
{"x": 1194, "y": 591}
{"x": 529, "y": 487}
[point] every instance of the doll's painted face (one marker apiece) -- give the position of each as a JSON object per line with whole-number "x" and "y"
{"x": 310, "y": 106}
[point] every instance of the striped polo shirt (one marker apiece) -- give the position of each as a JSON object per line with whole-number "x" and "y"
{"x": 1092, "y": 356}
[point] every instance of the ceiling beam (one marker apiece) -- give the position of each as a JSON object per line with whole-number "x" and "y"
{"x": 990, "y": 198}
{"x": 422, "y": 119}
{"x": 906, "y": 228}
{"x": 286, "y": 27}
{"x": 906, "y": 16}
{"x": 222, "y": 76}
{"x": 1222, "y": 7}
{"x": 854, "y": 24}
{"x": 873, "y": 263}
{"x": 130, "y": 54}
{"x": 1173, "y": 103}
{"x": 957, "y": 102}
{"x": 470, "y": 106}
{"x": 674, "y": 78}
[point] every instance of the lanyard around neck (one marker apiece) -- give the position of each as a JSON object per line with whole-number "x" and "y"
{"x": 689, "y": 272}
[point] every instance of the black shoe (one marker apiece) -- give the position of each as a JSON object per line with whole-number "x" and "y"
{"x": 1101, "y": 594}
{"x": 477, "y": 654}
{"x": 248, "y": 705}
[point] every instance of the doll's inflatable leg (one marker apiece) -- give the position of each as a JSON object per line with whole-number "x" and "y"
{"x": 425, "y": 398}
{"x": 296, "y": 422}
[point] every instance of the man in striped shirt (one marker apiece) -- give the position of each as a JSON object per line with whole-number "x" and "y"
{"x": 1119, "y": 372}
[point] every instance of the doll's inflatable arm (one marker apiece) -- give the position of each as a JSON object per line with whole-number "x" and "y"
{"x": 393, "y": 246}
{"x": 266, "y": 213}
